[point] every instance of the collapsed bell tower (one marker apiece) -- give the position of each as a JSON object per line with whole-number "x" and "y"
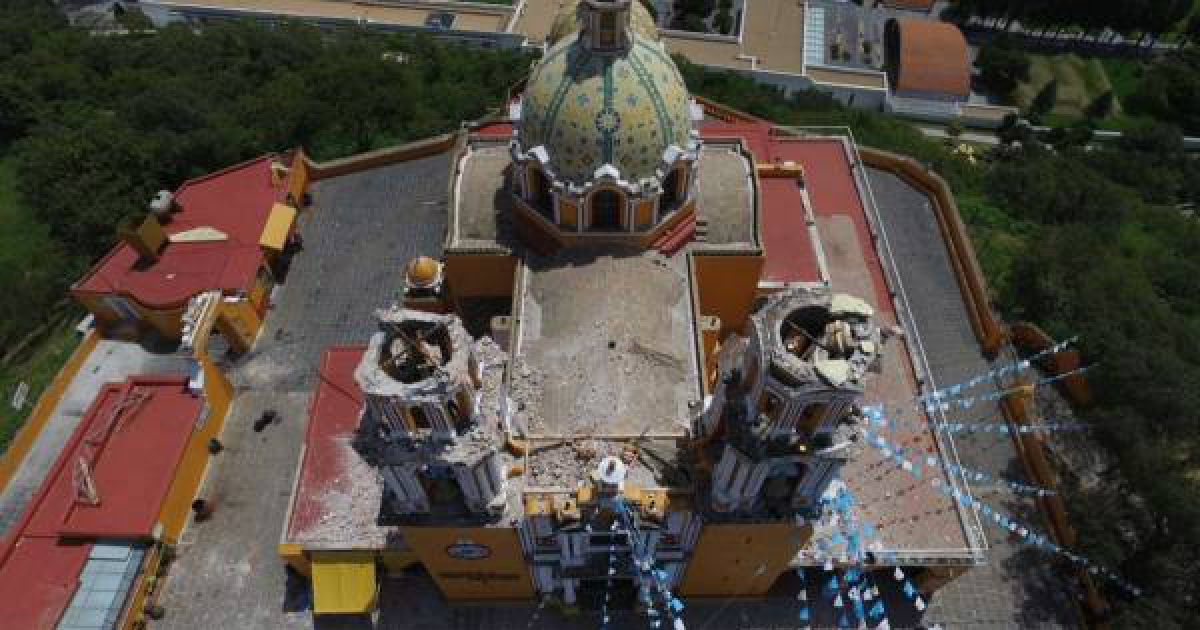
{"x": 423, "y": 426}
{"x": 782, "y": 414}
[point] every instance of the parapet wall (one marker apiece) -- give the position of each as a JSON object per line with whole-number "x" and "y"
{"x": 381, "y": 157}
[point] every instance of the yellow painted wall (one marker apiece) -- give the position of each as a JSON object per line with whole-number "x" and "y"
{"x": 218, "y": 393}
{"x": 727, "y": 286}
{"x": 501, "y": 575}
{"x": 742, "y": 559}
{"x": 569, "y": 214}
{"x": 480, "y": 275}
{"x": 168, "y": 322}
{"x": 644, "y": 214}
{"x": 298, "y": 178}
{"x": 293, "y": 554}
{"x": 239, "y": 322}
{"x": 145, "y": 590}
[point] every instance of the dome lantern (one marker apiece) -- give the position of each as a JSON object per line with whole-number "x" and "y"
{"x": 604, "y": 135}
{"x": 605, "y": 25}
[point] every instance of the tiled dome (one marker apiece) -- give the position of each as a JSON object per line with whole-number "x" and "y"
{"x": 566, "y": 21}
{"x": 590, "y": 109}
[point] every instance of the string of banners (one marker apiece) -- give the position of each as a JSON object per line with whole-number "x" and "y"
{"x": 1013, "y": 368}
{"x": 964, "y": 403}
{"x": 875, "y": 415}
{"x": 651, "y": 573}
{"x": 932, "y": 462}
{"x": 855, "y": 598}
{"x": 1024, "y": 532}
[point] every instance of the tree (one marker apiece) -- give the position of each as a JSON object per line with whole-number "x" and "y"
{"x": 1101, "y": 107}
{"x": 954, "y": 129}
{"x": 1002, "y": 66}
{"x": 723, "y": 22}
{"x": 1045, "y": 100}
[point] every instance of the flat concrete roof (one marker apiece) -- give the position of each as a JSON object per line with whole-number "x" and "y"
{"x": 536, "y": 18}
{"x": 725, "y": 195}
{"x": 480, "y": 194}
{"x": 723, "y": 53}
{"x": 412, "y": 14}
{"x": 606, "y": 344}
{"x": 774, "y": 34}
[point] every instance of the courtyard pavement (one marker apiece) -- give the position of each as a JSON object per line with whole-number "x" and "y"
{"x": 362, "y": 230}
{"x": 1019, "y": 587}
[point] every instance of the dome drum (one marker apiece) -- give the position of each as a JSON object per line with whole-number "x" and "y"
{"x": 591, "y": 123}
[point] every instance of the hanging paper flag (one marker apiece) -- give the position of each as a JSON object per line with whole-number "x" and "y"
{"x": 837, "y": 601}
{"x": 899, "y": 574}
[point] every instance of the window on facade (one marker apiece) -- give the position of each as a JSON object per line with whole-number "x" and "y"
{"x": 606, "y": 31}
{"x": 606, "y": 210}
{"x": 811, "y": 417}
{"x": 539, "y": 194}
{"x": 770, "y": 405}
{"x": 420, "y": 420}
{"x": 670, "y": 195}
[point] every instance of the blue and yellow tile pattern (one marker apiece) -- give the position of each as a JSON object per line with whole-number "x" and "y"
{"x": 591, "y": 109}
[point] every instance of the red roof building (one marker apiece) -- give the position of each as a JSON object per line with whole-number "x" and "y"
{"x": 131, "y": 441}
{"x": 213, "y": 242}
{"x": 927, "y": 59}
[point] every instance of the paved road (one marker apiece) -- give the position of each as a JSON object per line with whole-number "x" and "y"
{"x": 1018, "y": 589}
{"x": 363, "y": 230}
{"x": 112, "y": 361}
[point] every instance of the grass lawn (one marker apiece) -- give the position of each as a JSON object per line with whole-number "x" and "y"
{"x": 1080, "y": 81}
{"x": 37, "y": 368}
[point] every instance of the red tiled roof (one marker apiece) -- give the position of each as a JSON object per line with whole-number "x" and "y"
{"x": 38, "y": 580}
{"x": 133, "y": 466}
{"x": 333, "y": 415}
{"x": 933, "y": 58}
{"x": 236, "y": 201}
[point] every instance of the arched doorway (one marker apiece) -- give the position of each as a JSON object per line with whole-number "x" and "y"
{"x": 539, "y": 193}
{"x": 607, "y": 208}
{"x": 670, "y": 194}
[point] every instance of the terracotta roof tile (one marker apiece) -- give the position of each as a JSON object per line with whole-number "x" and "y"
{"x": 933, "y": 58}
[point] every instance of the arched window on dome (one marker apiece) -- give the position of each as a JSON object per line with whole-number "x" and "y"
{"x": 607, "y": 210}
{"x": 672, "y": 192}
{"x": 539, "y": 195}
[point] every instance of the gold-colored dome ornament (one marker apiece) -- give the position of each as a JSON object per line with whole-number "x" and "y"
{"x": 423, "y": 272}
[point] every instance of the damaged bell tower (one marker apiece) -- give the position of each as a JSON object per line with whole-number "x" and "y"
{"x": 422, "y": 425}
{"x": 784, "y": 403}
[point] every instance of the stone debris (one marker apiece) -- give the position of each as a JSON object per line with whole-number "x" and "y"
{"x": 350, "y": 505}
{"x": 564, "y": 464}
